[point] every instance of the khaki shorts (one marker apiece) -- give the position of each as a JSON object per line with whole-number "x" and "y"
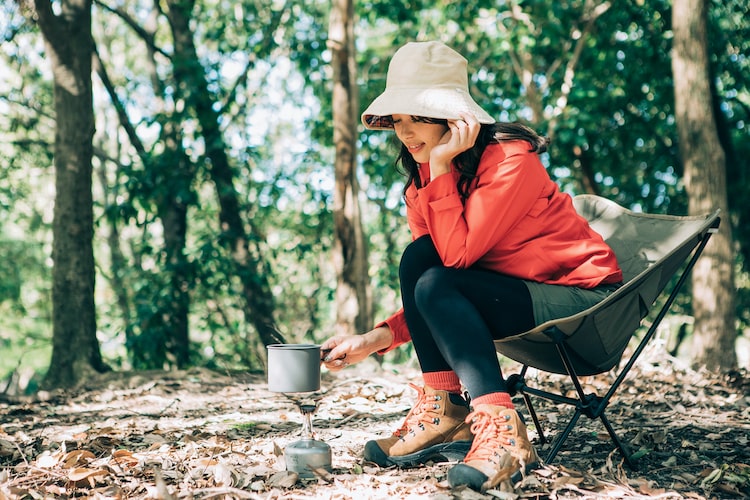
{"x": 559, "y": 301}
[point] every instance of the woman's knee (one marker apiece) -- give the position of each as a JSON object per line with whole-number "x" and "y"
{"x": 431, "y": 286}
{"x": 418, "y": 256}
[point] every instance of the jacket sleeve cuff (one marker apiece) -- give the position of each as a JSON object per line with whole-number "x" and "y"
{"x": 399, "y": 331}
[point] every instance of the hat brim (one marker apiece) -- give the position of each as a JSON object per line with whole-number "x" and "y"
{"x": 441, "y": 103}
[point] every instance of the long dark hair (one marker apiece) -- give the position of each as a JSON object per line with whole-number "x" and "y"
{"x": 468, "y": 161}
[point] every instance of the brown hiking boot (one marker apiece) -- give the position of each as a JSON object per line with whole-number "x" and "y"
{"x": 501, "y": 448}
{"x": 434, "y": 430}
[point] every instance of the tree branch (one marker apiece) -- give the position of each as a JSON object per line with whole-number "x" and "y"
{"x": 119, "y": 108}
{"x": 147, "y": 37}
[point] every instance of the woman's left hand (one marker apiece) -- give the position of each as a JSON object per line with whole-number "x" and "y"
{"x": 461, "y": 135}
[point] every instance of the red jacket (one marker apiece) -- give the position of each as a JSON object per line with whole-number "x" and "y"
{"x": 515, "y": 221}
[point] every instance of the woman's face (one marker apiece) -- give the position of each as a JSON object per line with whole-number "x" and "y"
{"x": 418, "y": 136}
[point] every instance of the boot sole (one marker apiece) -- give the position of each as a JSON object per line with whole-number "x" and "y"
{"x": 454, "y": 451}
{"x": 465, "y": 475}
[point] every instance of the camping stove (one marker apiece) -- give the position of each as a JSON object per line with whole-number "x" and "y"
{"x": 307, "y": 454}
{"x": 294, "y": 370}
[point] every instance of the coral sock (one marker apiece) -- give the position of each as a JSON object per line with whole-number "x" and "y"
{"x": 443, "y": 381}
{"x": 494, "y": 398}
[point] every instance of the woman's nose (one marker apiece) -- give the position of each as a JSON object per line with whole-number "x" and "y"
{"x": 402, "y": 129}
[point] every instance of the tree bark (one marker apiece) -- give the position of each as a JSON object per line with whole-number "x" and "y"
{"x": 68, "y": 42}
{"x": 704, "y": 161}
{"x": 173, "y": 206}
{"x": 353, "y": 307}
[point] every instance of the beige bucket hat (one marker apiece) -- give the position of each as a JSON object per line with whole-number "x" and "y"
{"x": 424, "y": 79}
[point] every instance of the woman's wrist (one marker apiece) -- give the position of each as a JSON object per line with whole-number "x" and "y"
{"x": 439, "y": 169}
{"x": 380, "y": 338}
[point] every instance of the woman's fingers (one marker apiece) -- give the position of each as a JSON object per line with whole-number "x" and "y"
{"x": 333, "y": 358}
{"x": 464, "y": 132}
{"x": 469, "y": 128}
{"x": 328, "y": 355}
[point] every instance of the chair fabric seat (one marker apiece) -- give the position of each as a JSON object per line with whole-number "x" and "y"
{"x": 650, "y": 249}
{"x": 656, "y": 254}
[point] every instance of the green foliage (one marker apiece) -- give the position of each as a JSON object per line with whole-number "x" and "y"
{"x": 729, "y": 36}
{"x": 266, "y": 70}
{"x": 620, "y": 113}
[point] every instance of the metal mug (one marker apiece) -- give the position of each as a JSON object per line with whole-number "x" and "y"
{"x": 293, "y": 367}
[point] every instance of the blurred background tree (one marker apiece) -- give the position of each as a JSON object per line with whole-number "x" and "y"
{"x": 213, "y": 164}
{"x": 68, "y": 44}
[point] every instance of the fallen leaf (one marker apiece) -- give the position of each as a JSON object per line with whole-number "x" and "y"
{"x": 224, "y": 475}
{"x": 77, "y": 457}
{"x": 283, "y": 479}
{"x": 82, "y": 476}
{"x": 7, "y": 448}
{"x": 502, "y": 495}
{"x": 712, "y": 476}
{"x": 48, "y": 460}
{"x": 566, "y": 480}
{"x": 687, "y": 444}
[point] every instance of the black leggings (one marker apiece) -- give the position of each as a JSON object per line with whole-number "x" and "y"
{"x": 453, "y": 316}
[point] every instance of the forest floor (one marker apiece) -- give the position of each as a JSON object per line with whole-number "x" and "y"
{"x": 203, "y": 435}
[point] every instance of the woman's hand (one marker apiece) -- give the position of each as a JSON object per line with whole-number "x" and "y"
{"x": 461, "y": 136}
{"x": 344, "y": 350}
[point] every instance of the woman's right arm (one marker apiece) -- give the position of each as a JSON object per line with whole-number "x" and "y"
{"x": 344, "y": 350}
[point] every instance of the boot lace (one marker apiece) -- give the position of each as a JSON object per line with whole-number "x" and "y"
{"x": 492, "y": 434}
{"x": 419, "y": 413}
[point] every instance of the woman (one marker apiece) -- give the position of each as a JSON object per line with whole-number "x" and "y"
{"x": 497, "y": 249}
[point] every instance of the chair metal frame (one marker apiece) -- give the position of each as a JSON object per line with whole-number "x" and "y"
{"x": 592, "y": 405}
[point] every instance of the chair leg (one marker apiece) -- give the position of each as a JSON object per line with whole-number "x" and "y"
{"x": 563, "y": 437}
{"x": 517, "y": 384}
{"x": 594, "y": 406}
{"x": 534, "y": 418}
{"x": 587, "y": 404}
{"x": 619, "y": 444}
{"x": 632, "y": 464}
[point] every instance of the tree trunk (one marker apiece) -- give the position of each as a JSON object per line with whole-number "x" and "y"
{"x": 251, "y": 268}
{"x": 75, "y": 349}
{"x": 353, "y": 308}
{"x": 705, "y": 181}
{"x": 173, "y": 208}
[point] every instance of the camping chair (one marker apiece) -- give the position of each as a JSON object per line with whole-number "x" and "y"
{"x": 651, "y": 250}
